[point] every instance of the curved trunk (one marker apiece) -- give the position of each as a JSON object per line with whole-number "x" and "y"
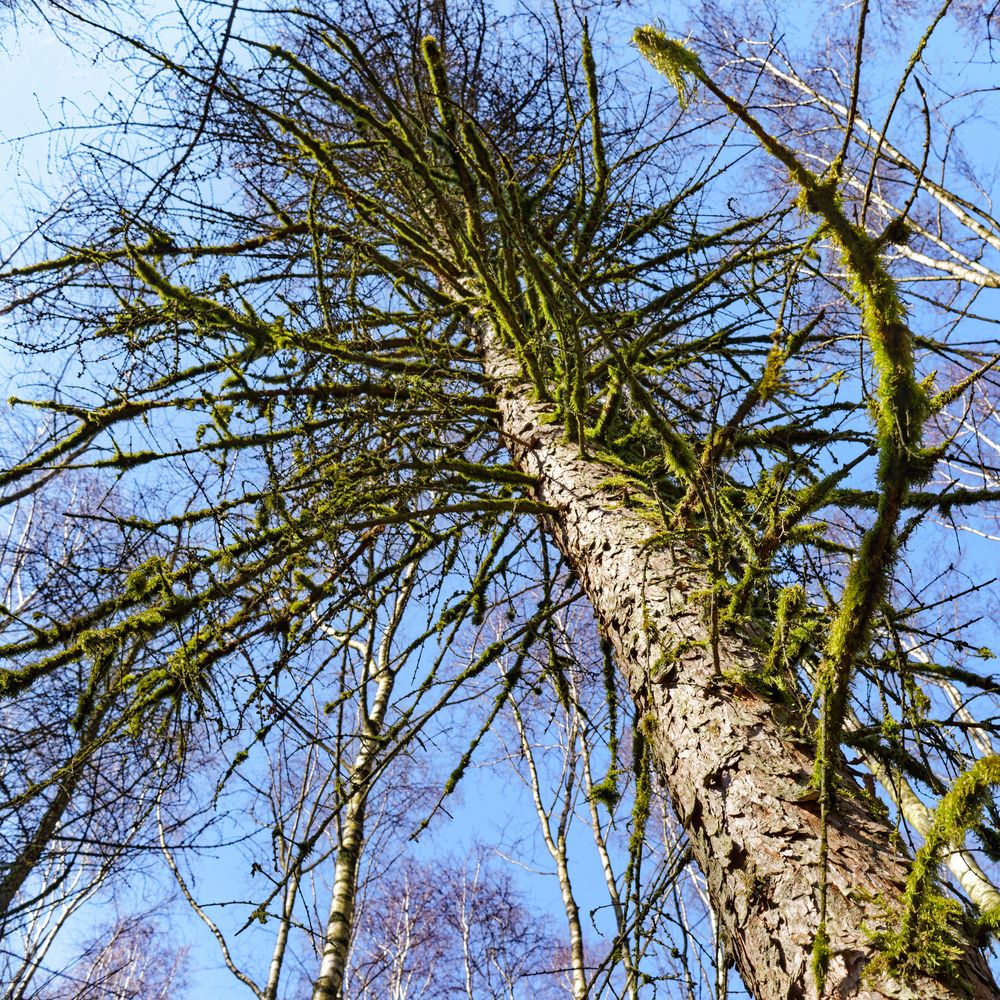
{"x": 733, "y": 770}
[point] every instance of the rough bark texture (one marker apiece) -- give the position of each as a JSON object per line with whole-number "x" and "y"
{"x": 731, "y": 767}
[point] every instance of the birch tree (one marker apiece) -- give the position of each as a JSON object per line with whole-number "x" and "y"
{"x": 132, "y": 960}
{"x": 399, "y": 274}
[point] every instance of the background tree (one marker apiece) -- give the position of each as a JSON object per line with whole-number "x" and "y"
{"x": 131, "y": 960}
{"x": 78, "y": 792}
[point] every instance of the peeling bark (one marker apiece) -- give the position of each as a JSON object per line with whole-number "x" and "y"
{"x": 732, "y": 768}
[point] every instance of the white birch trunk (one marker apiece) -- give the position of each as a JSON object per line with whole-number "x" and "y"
{"x": 329, "y": 983}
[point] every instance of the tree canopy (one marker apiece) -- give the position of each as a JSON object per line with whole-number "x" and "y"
{"x": 444, "y": 376}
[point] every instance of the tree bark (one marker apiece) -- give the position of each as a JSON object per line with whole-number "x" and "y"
{"x": 333, "y": 964}
{"x": 329, "y": 983}
{"x": 732, "y": 768}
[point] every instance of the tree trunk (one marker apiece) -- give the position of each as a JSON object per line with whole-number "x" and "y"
{"x": 731, "y": 767}
{"x": 556, "y": 846}
{"x": 281, "y": 940}
{"x": 330, "y": 981}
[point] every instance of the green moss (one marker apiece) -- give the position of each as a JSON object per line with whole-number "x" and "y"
{"x": 769, "y": 688}
{"x": 793, "y": 632}
{"x": 673, "y": 59}
{"x": 926, "y": 944}
{"x": 606, "y": 791}
{"x": 819, "y": 962}
{"x": 643, "y": 768}
{"x": 674, "y": 653}
{"x": 927, "y": 926}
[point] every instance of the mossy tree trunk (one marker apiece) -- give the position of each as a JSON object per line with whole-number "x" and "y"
{"x": 735, "y": 770}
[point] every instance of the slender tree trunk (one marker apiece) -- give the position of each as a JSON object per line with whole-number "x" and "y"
{"x": 576, "y": 954}
{"x": 281, "y": 941}
{"x": 731, "y": 767}
{"x": 631, "y": 981}
{"x": 556, "y": 846}
{"x": 330, "y": 981}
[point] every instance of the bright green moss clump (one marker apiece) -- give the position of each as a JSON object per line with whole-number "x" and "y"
{"x": 673, "y": 59}
{"x": 927, "y": 927}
